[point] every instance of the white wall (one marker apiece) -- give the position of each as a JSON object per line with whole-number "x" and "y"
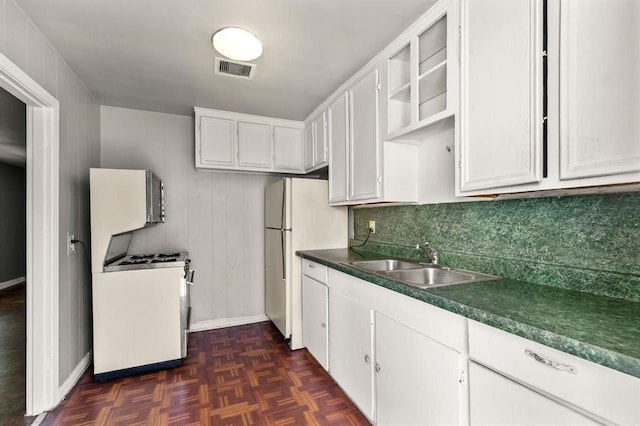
{"x": 24, "y": 44}
{"x": 217, "y": 217}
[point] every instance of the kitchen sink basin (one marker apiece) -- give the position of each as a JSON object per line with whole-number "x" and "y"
{"x": 432, "y": 276}
{"x": 419, "y": 275}
{"x": 382, "y": 265}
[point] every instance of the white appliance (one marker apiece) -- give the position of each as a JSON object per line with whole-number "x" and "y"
{"x": 140, "y": 301}
{"x": 297, "y": 217}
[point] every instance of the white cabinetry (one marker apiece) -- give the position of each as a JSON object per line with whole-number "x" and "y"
{"x": 400, "y": 360}
{"x": 422, "y": 74}
{"x": 287, "y": 148}
{"x": 569, "y": 387}
{"x": 497, "y": 401}
{"x": 315, "y": 313}
{"x": 416, "y": 377}
{"x": 233, "y": 141}
{"x": 501, "y": 114}
{"x": 254, "y": 145}
{"x": 315, "y": 143}
{"x": 338, "y": 139}
{"x": 361, "y": 168}
{"x": 350, "y": 349}
{"x": 364, "y": 155}
{"x": 592, "y": 127}
{"x": 599, "y": 109}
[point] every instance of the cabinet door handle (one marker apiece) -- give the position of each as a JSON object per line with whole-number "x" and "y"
{"x": 377, "y": 367}
{"x": 367, "y": 359}
{"x": 311, "y": 265}
{"x": 324, "y": 325}
{"x": 550, "y": 363}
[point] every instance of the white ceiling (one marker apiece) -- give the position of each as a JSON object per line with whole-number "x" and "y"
{"x": 156, "y": 55}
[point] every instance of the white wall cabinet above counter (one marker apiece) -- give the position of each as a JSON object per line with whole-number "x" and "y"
{"x": 421, "y": 77}
{"x": 531, "y": 126}
{"x": 242, "y": 142}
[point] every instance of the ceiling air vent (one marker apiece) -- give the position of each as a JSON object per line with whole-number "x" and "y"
{"x": 234, "y": 68}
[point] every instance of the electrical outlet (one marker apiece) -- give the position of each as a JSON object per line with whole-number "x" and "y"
{"x": 71, "y": 246}
{"x": 372, "y": 226}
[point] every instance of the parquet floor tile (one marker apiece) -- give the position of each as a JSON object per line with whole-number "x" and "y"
{"x": 242, "y": 375}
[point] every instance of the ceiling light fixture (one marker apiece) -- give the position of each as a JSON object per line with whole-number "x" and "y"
{"x": 237, "y": 43}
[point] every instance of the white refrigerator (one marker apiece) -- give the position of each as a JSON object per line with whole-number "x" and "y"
{"x": 297, "y": 217}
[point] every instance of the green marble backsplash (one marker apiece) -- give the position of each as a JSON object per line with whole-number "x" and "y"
{"x": 588, "y": 243}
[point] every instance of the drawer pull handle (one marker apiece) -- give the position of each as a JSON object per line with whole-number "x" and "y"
{"x": 550, "y": 363}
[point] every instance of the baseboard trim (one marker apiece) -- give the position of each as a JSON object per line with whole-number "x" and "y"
{"x": 12, "y": 282}
{"x": 75, "y": 375}
{"x": 226, "y": 322}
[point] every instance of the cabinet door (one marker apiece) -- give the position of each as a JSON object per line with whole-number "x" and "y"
{"x": 417, "y": 378}
{"x": 287, "y": 148}
{"x": 314, "y": 319}
{"x": 350, "y": 351}
{"x": 599, "y": 109}
{"x": 309, "y": 148}
{"x": 337, "y": 116}
{"x": 217, "y": 141}
{"x": 365, "y": 140}
{"x": 496, "y": 400}
{"x": 501, "y": 112}
{"x": 254, "y": 145}
{"x": 320, "y": 127}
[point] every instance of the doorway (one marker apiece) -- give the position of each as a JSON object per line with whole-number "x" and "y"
{"x": 42, "y": 218}
{"x": 13, "y": 218}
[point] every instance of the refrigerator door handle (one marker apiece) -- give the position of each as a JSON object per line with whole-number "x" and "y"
{"x": 284, "y": 261}
{"x": 284, "y": 191}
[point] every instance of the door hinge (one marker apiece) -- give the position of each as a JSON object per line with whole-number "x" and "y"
{"x": 459, "y": 164}
{"x": 462, "y": 379}
{"x": 379, "y": 87}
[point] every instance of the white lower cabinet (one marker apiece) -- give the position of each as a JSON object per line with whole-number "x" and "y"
{"x": 400, "y": 360}
{"x": 416, "y": 378}
{"x": 496, "y": 400}
{"x": 315, "y": 298}
{"x": 544, "y": 385}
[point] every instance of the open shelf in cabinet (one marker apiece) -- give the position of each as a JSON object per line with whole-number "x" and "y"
{"x": 419, "y": 74}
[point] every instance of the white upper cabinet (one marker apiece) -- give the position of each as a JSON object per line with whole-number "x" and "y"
{"x": 232, "y": 141}
{"x": 338, "y": 139}
{"x": 364, "y": 155}
{"x": 422, "y": 74}
{"x": 315, "y": 143}
{"x": 287, "y": 148}
{"x": 501, "y": 108}
{"x": 321, "y": 150}
{"x": 221, "y": 147}
{"x": 567, "y": 119}
{"x": 308, "y": 146}
{"x": 254, "y": 145}
{"x": 599, "y": 88}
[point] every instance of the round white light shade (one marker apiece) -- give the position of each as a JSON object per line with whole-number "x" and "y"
{"x": 238, "y": 44}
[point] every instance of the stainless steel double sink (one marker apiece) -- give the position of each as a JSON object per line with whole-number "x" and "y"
{"x": 419, "y": 275}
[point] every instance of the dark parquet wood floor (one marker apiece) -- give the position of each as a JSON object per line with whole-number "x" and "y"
{"x": 13, "y": 355}
{"x": 243, "y": 375}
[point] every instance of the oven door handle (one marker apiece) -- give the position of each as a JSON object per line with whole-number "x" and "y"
{"x": 190, "y": 280}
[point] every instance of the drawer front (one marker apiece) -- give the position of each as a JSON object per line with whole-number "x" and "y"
{"x": 607, "y": 393}
{"x": 314, "y": 270}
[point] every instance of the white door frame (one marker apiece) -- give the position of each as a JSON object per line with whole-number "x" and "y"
{"x": 43, "y": 115}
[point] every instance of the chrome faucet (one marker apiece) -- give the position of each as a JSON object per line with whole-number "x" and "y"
{"x": 432, "y": 253}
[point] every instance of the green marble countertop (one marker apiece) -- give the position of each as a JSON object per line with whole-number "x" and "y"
{"x": 600, "y": 329}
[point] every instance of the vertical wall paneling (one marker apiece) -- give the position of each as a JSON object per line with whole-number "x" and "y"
{"x": 79, "y": 140}
{"x": 217, "y": 217}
